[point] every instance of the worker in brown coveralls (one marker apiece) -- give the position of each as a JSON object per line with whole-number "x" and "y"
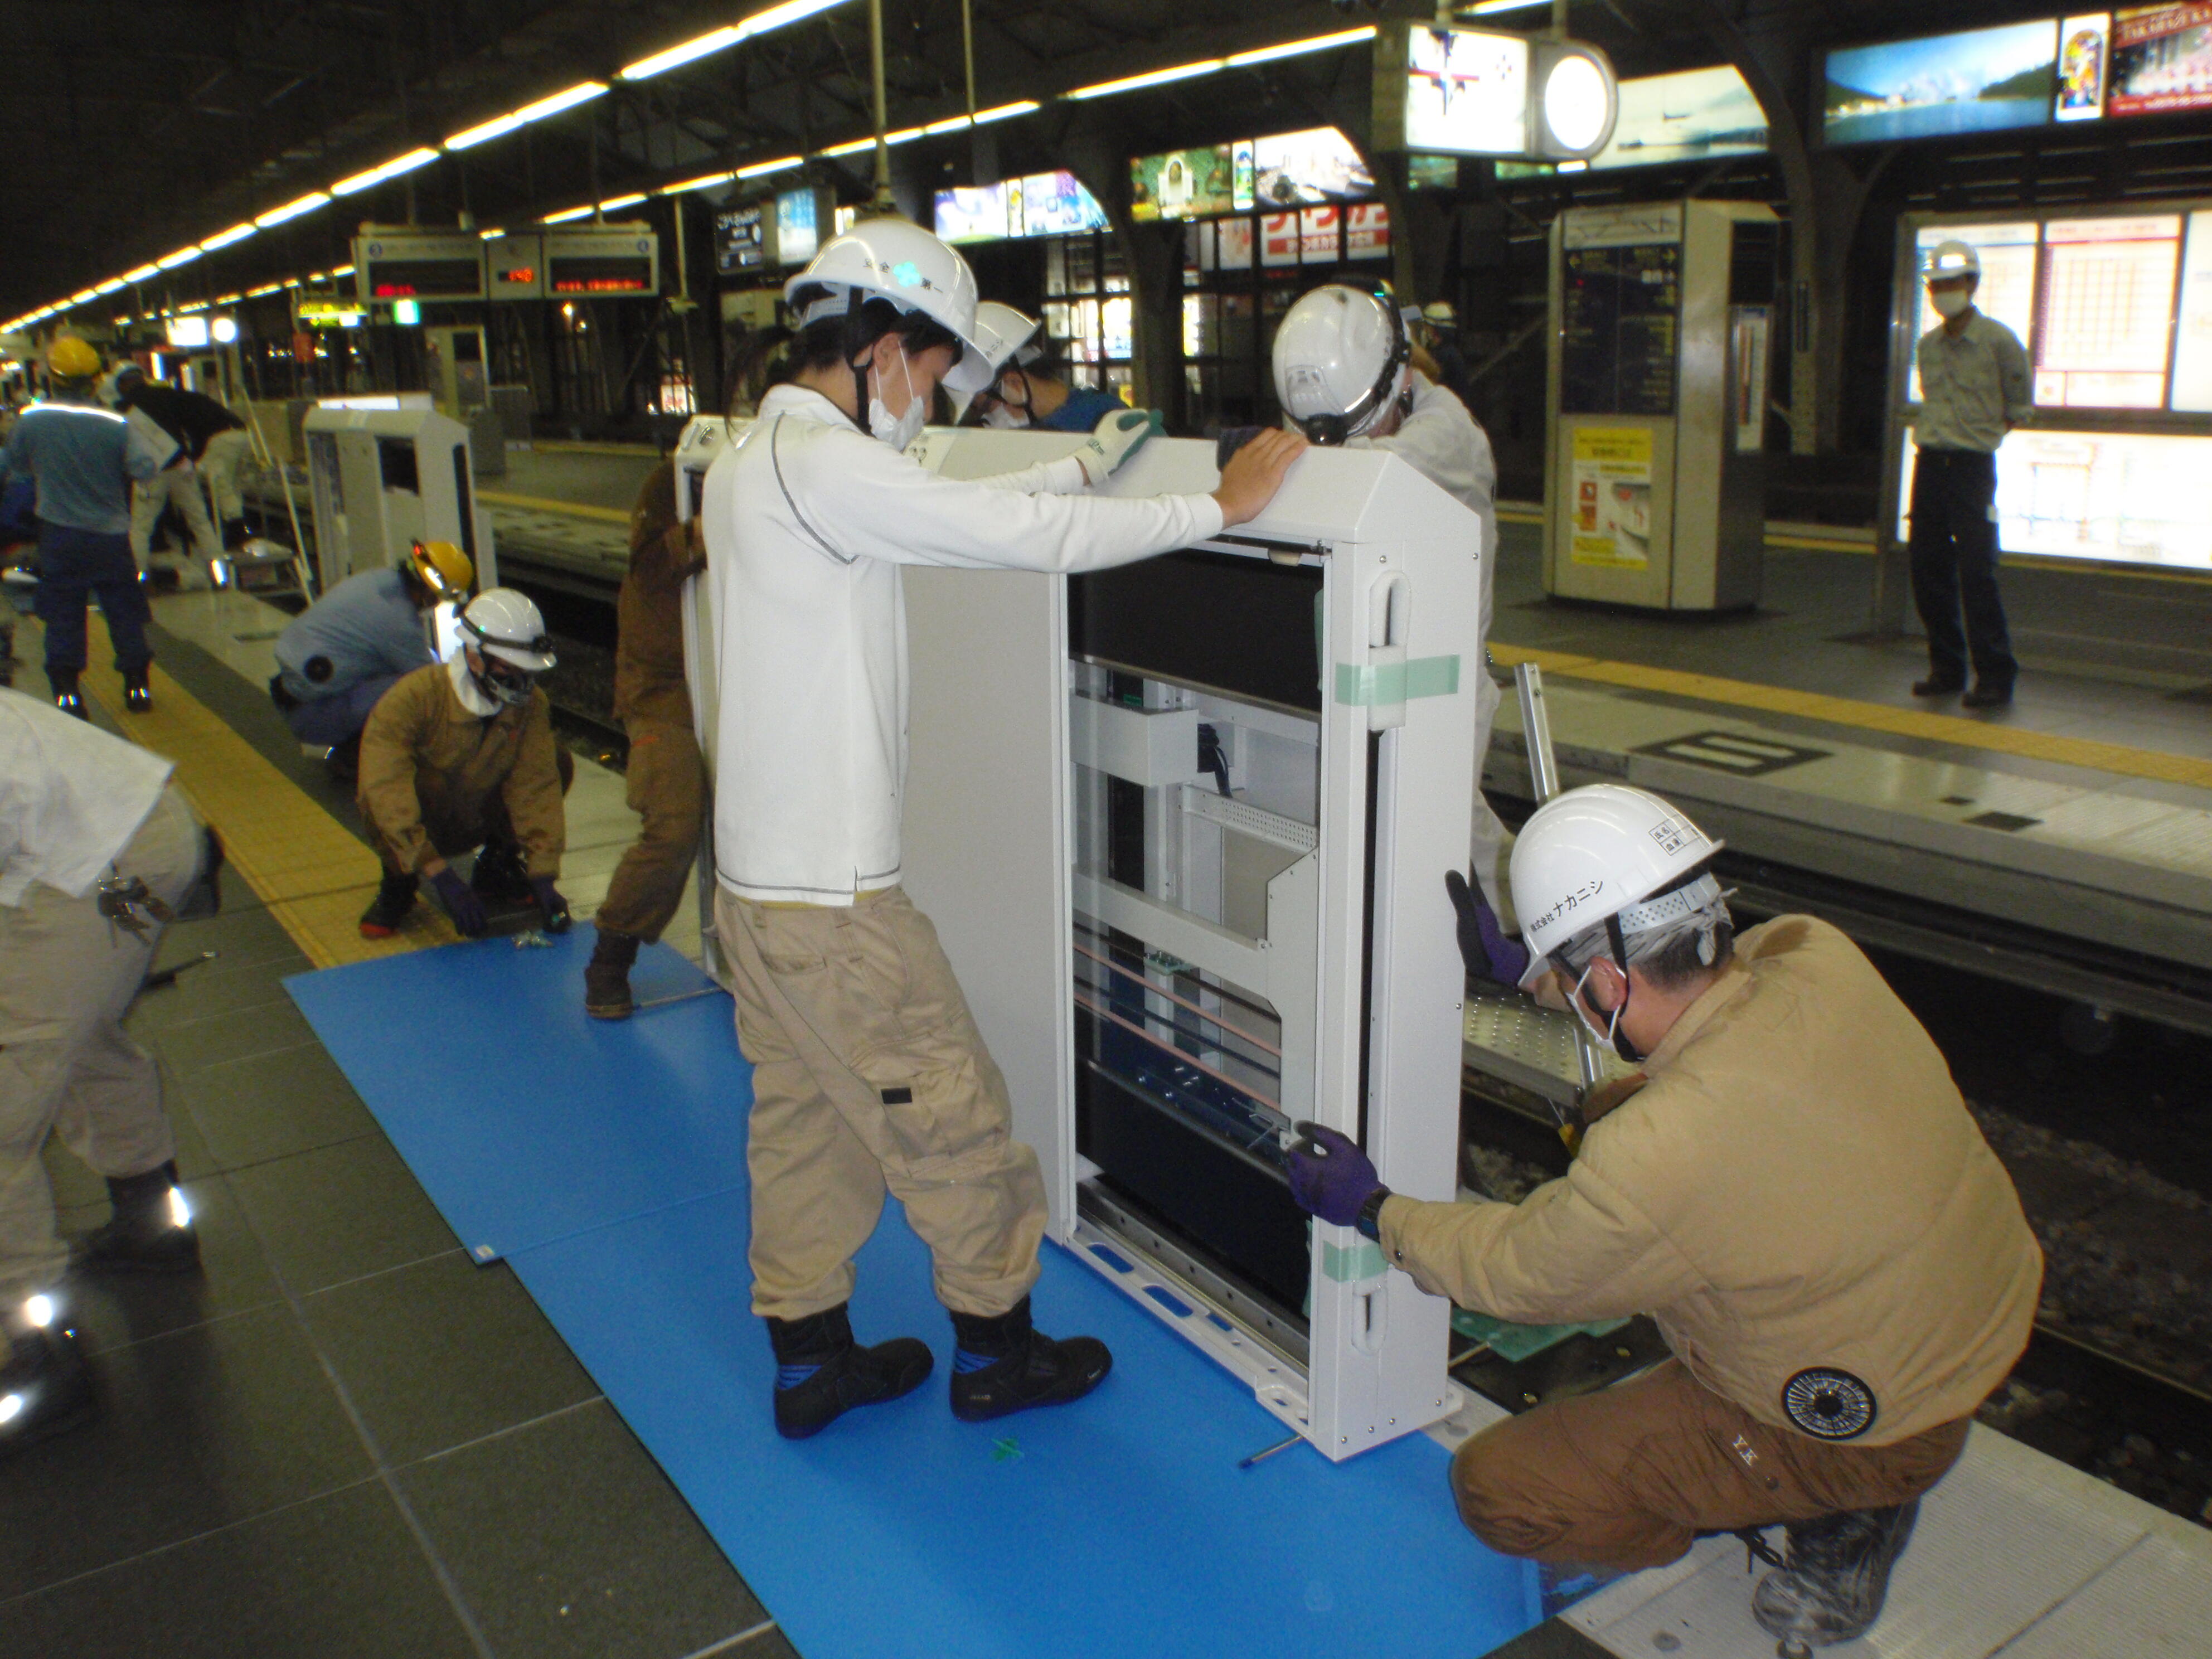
{"x": 667, "y": 783}
{"x": 1789, "y": 1185}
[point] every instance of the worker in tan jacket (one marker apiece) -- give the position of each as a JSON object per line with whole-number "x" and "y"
{"x": 666, "y": 779}
{"x": 1790, "y": 1187}
{"x": 459, "y": 757}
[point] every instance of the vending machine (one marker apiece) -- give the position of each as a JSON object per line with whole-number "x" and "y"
{"x": 1661, "y": 342}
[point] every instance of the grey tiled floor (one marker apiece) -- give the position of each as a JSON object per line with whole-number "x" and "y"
{"x": 344, "y": 1438}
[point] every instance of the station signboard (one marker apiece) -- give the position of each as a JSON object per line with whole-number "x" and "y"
{"x": 601, "y": 260}
{"x": 415, "y": 264}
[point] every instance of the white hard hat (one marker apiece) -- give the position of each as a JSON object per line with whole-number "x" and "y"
{"x": 1953, "y": 258}
{"x": 1341, "y": 361}
{"x": 895, "y": 260}
{"x": 502, "y": 622}
{"x": 1597, "y": 854}
{"x": 1003, "y": 332}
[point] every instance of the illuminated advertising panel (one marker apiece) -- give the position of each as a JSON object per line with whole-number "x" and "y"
{"x": 1295, "y": 169}
{"x": 2192, "y": 344}
{"x": 972, "y": 215}
{"x": 797, "y": 226}
{"x": 2161, "y": 60}
{"x": 2107, "y": 312}
{"x": 1054, "y": 204}
{"x": 2085, "y": 46}
{"x": 2007, "y": 292}
{"x": 1690, "y": 117}
{"x": 1944, "y": 86}
{"x": 1183, "y": 183}
{"x": 1467, "y": 92}
{"x": 2126, "y": 498}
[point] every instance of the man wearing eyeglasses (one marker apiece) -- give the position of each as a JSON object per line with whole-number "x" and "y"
{"x": 460, "y": 758}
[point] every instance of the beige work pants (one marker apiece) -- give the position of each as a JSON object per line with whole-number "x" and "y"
{"x": 1624, "y": 1479}
{"x": 219, "y": 464}
{"x": 868, "y": 1074}
{"x": 67, "y": 977}
{"x": 177, "y": 486}
{"x": 667, "y": 791}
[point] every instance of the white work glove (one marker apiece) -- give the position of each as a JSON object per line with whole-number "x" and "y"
{"x": 1116, "y": 438}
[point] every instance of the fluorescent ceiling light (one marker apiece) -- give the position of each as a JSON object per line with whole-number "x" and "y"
{"x": 1298, "y": 48}
{"x": 228, "y": 298}
{"x": 342, "y": 270}
{"x": 699, "y": 46}
{"x": 582, "y": 93}
{"x": 307, "y": 203}
{"x": 491, "y": 236}
{"x": 1006, "y": 111}
{"x": 110, "y": 285}
{"x": 1492, "y": 8}
{"x": 1154, "y": 78}
{"x": 224, "y": 239}
{"x": 562, "y": 218}
{"x": 392, "y": 169}
{"x": 758, "y": 169}
{"x": 82, "y": 295}
{"x": 704, "y": 181}
{"x": 141, "y": 274}
{"x": 266, "y": 287}
{"x": 617, "y": 201}
{"x": 183, "y": 255}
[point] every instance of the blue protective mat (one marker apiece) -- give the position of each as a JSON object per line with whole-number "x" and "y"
{"x": 525, "y": 1120}
{"x": 608, "y": 1161}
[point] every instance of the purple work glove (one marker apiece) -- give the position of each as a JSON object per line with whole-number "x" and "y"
{"x": 461, "y": 904}
{"x": 1330, "y": 1177}
{"x": 1483, "y": 944}
{"x": 557, "y": 919}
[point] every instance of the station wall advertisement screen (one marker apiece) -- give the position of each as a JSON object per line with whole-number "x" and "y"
{"x": 1693, "y": 116}
{"x": 1041, "y": 204}
{"x": 1185, "y": 184}
{"x": 2161, "y": 60}
{"x": 1296, "y": 169}
{"x": 1945, "y": 86}
{"x": 1467, "y": 92}
{"x": 2125, "y": 497}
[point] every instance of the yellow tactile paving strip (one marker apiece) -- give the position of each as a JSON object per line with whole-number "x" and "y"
{"x": 546, "y": 504}
{"x": 315, "y": 877}
{"x": 1963, "y": 734}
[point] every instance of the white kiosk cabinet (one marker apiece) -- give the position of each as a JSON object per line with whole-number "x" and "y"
{"x": 1662, "y": 329}
{"x": 1182, "y": 828}
{"x": 383, "y": 479}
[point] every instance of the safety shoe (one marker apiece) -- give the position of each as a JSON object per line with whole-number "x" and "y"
{"x": 501, "y": 874}
{"x": 1837, "y": 1579}
{"x": 1985, "y": 695}
{"x": 67, "y": 697}
{"x": 1005, "y": 1365}
{"x": 606, "y": 976}
{"x": 44, "y": 1387}
{"x": 150, "y": 1231}
{"x": 1937, "y": 686}
{"x": 822, "y": 1373}
{"x": 137, "y": 693}
{"x": 395, "y": 897}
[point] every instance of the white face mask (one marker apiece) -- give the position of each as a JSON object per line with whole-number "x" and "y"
{"x": 1949, "y": 302}
{"x": 900, "y": 431}
{"x": 1005, "y": 419}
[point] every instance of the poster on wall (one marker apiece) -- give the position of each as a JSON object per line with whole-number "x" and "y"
{"x": 2161, "y": 60}
{"x": 1367, "y": 231}
{"x": 1318, "y": 229}
{"x": 738, "y": 239}
{"x": 1611, "y": 482}
{"x": 1750, "y": 332}
{"x": 1943, "y": 86}
{"x": 1183, "y": 184}
{"x": 2107, "y": 312}
{"x": 1296, "y": 168}
{"x": 1234, "y": 244}
{"x": 2084, "y": 51}
{"x": 1279, "y": 239}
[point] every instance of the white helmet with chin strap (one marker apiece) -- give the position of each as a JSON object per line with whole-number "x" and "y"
{"x": 893, "y": 260}
{"x": 1006, "y": 336}
{"x": 1952, "y": 259}
{"x": 1608, "y": 870}
{"x": 504, "y": 627}
{"x": 1341, "y": 358}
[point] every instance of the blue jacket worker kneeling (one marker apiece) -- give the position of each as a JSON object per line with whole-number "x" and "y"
{"x": 345, "y": 651}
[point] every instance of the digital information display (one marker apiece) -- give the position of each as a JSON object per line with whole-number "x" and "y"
{"x": 1620, "y": 314}
{"x": 2125, "y": 498}
{"x": 426, "y": 279}
{"x": 1467, "y": 92}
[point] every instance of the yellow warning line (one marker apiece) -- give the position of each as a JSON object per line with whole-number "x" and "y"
{"x": 314, "y": 875}
{"x": 2113, "y": 757}
{"x": 568, "y": 447}
{"x": 546, "y": 504}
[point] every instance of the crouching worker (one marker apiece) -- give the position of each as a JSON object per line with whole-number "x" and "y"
{"x": 668, "y": 782}
{"x": 1796, "y": 1193}
{"x": 346, "y": 650}
{"x": 459, "y": 756}
{"x": 97, "y": 852}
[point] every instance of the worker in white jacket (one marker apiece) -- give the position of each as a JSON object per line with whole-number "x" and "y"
{"x": 869, "y": 1073}
{"x": 1344, "y": 374}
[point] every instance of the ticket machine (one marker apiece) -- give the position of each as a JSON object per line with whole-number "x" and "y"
{"x": 383, "y": 474}
{"x": 1655, "y": 482}
{"x": 1182, "y": 828}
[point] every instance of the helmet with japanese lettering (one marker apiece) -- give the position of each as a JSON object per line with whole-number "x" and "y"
{"x": 1608, "y": 860}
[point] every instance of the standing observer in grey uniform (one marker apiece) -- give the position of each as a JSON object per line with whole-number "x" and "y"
{"x": 1974, "y": 389}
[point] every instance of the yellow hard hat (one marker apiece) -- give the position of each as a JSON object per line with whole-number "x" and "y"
{"x": 443, "y": 569}
{"x": 70, "y": 359}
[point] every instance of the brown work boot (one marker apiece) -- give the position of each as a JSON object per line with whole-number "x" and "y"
{"x": 606, "y": 976}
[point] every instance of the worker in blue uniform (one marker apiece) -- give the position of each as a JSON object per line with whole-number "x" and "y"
{"x": 1032, "y": 390}
{"x": 84, "y": 459}
{"x": 339, "y": 656}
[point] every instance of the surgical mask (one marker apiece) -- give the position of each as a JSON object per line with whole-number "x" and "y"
{"x": 899, "y": 431}
{"x": 474, "y": 698}
{"x": 1949, "y": 302}
{"x": 1005, "y": 419}
{"x": 1612, "y": 1034}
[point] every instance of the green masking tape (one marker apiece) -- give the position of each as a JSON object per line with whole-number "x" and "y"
{"x": 1364, "y": 1261}
{"x": 1363, "y": 687}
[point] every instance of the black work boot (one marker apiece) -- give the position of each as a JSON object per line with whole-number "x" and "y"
{"x": 395, "y": 897}
{"x": 501, "y": 874}
{"x": 1006, "y": 1365}
{"x": 1837, "y": 1577}
{"x": 137, "y": 692}
{"x": 821, "y": 1373}
{"x": 151, "y": 1231}
{"x": 44, "y": 1387}
{"x": 67, "y": 697}
{"x": 606, "y": 976}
